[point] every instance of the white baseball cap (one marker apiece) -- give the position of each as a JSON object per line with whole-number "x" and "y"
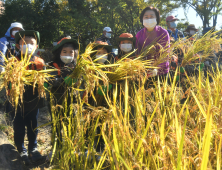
{"x": 17, "y": 24}
{"x": 107, "y": 29}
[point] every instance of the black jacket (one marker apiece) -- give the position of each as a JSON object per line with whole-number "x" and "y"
{"x": 59, "y": 87}
{"x": 31, "y": 100}
{"x": 104, "y": 39}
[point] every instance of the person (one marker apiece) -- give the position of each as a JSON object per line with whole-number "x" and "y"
{"x": 107, "y": 34}
{"x": 27, "y": 112}
{"x": 64, "y": 60}
{"x": 126, "y": 46}
{"x": 176, "y": 61}
{"x": 210, "y": 62}
{"x": 102, "y": 52}
{"x": 101, "y": 55}
{"x": 172, "y": 30}
{"x": 191, "y": 30}
{"x": 126, "y": 43}
{"x": 7, "y": 43}
{"x": 152, "y": 33}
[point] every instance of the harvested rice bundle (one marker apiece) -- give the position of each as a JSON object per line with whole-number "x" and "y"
{"x": 159, "y": 57}
{"x": 17, "y": 76}
{"x": 88, "y": 70}
{"x": 206, "y": 46}
{"x": 138, "y": 67}
{"x": 129, "y": 68}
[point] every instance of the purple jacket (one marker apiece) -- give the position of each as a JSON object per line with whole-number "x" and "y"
{"x": 159, "y": 35}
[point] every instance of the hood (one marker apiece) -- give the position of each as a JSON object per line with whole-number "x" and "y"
{"x": 7, "y": 34}
{"x": 13, "y": 25}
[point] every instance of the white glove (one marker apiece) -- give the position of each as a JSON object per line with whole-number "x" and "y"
{"x": 153, "y": 73}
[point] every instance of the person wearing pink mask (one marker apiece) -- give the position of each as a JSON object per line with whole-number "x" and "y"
{"x": 152, "y": 33}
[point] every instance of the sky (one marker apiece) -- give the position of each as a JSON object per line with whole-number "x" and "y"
{"x": 194, "y": 19}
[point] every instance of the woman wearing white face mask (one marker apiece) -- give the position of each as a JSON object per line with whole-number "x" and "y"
{"x": 126, "y": 45}
{"x": 152, "y": 33}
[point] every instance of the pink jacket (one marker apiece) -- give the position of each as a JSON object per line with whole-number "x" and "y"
{"x": 159, "y": 35}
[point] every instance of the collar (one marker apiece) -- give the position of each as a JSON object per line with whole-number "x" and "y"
{"x": 169, "y": 30}
{"x": 31, "y": 59}
{"x": 146, "y": 30}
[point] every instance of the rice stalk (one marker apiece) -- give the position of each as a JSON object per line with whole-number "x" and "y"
{"x": 17, "y": 75}
{"x": 199, "y": 48}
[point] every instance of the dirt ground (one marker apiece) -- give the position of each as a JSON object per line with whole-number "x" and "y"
{"x": 43, "y": 139}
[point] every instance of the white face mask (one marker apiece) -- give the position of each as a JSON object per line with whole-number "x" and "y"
{"x": 66, "y": 59}
{"x": 192, "y": 32}
{"x": 108, "y": 35}
{"x": 149, "y": 23}
{"x": 14, "y": 32}
{"x": 30, "y": 48}
{"x": 103, "y": 58}
{"x": 126, "y": 47}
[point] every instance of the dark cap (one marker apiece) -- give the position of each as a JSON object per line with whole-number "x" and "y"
{"x": 19, "y": 35}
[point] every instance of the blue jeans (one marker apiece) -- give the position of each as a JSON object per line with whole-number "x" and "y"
{"x": 28, "y": 119}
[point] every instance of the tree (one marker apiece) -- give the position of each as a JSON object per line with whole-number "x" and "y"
{"x": 182, "y": 25}
{"x": 81, "y": 19}
{"x": 39, "y": 15}
{"x": 206, "y": 9}
{"x": 90, "y": 17}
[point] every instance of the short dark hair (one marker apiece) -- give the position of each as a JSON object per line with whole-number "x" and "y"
{"x": 157, "y": 13}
